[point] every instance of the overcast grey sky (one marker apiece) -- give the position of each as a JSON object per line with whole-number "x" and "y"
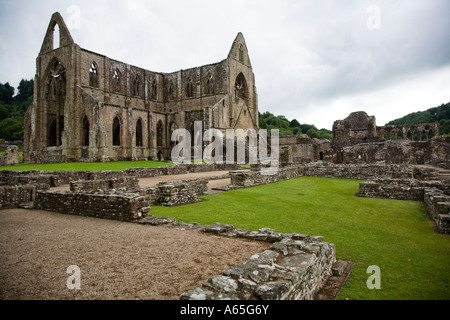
{"x": 315, "y": 61}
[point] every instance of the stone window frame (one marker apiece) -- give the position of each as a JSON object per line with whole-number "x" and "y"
{"x": 93, "y": 75}
{"x": 85, "y": 131}
{"x": 136, "y": 86}
{"x": 159, "y": 133}
{"x": 154, "y": 90}
{"x": 171, "y": 91}
{"x": 116, "y": 80}
{"x": 117, "y": 131}
{"x": 139, "y": 142}
{"x": 173, "y": 126}
{"x": 190, "y": 88}
{"x": 241, "y": 87}
{"x": 210, "y": 84}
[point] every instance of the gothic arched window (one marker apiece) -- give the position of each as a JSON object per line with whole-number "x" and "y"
{"x": 85, "y": 132}
{"x": 93, "y": 75}
{"x": 136, "y": 86}
{"x": 159, "y": 134}
{"x": 116, "y": 130}
{"x": 240, "y": 90}
{"x": 189, "y": 88}
{"x": 153, "y": 90}
{"x": 210, "y": 85}
{"x": 116, "y": 81}
{"x": 139, "y": 140}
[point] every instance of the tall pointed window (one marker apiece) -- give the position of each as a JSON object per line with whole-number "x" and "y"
{"x": 139, "y": 140}
{"x": 173, "y": 127}
{"x": 55, "y": 102}
{"x": 136, "y": 86}
{"x": 52, "y": 133}
{"x": 210, "y": 84}
{"x": 240, "y": 89}
{"x": 159, "y": 134}
{"x": 116, "y": 81}
{"x": 85, "y": 132}
{"x": 153, "y": 90}
{"x": 93, "y": 75}
{"x": 56, "y": 37}
{"x": 116, "y": 130}
{"x": 189, "y": 88}
{"x": 171, "y": 91}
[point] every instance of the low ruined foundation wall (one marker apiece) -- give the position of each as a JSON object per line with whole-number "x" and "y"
{"x": 358, "y": 171}
{"x": 123, "y": 207}
{"x": 175, "y": 193}
{"x": 182, "y": 192}
{"x": 437, "y": 205}
{"x": 65, "y": 177}
{"x": 122, "y": 183}
{"x": 256, "y": 178}
{"x": 401, "y": 189}
{"x": 12, "y": 196}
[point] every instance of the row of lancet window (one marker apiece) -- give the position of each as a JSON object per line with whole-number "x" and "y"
{"x": 116, "y": 132}
{"x": 411, "y": 134}
{"x": 209, "y": 86}
{"x": 136, "y": 86}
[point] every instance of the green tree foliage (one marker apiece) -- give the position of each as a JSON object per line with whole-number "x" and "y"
{"x": 439, "y": 114}
{"x": 12, "y": 109}
{"x": 269, "y": 121}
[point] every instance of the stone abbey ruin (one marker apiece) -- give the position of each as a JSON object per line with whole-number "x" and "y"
{"x": 90, "y": 108}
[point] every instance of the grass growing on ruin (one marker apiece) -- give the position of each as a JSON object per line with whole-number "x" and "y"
{"x": 395, "y": 235}
{"x": 84, "y": 166}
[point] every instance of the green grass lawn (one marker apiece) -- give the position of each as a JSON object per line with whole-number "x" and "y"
{"x": 395, "y": 235}
{"x": 85, "y": 166}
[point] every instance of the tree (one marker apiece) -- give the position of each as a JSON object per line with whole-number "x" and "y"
{"x": 12, "y": 109}
{"x": 268, "y": 121}
{"x": 6, "y": 93}
{"x": 294, "y": 124}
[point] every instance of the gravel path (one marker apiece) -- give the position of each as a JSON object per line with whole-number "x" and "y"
{"x": 117, "y": 260}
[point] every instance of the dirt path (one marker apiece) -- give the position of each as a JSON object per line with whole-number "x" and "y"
{"x": 117, "y": 260}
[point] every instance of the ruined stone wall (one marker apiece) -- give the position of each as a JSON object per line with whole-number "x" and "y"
{"x": 358, "y": 171}
{"x": 357, "y": 139}
{"x": 437, "y": 204}
{"x": 401, "y": 189}
{"x": 295, "y": 267}
{"x": 29, "y": 178}
{"x": 65, "y": 177}
{"x": 87, "y": 106}
{"x": 12, "y": 196}
{"x": 123, "y": 207}
{"x": 179, "y": 192}
{"x": 122, "y": 183}
{"x": 10, "y": 157}
{"x": 434, "y": 152}
{"x": 256, "y": 178}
